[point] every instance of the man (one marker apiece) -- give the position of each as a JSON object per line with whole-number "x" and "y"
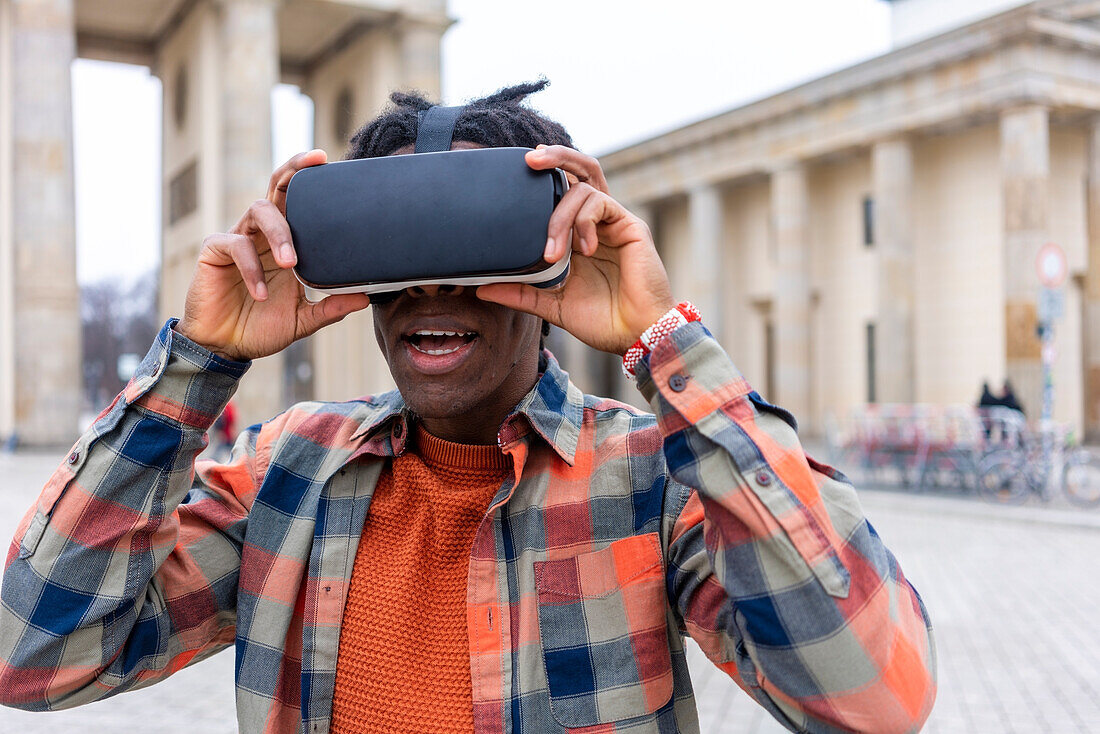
{"x": 486, "y": 549}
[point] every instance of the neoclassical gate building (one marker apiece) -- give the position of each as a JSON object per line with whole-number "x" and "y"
{"x": 872, "y": 235}
{"x": 867, "y": 236}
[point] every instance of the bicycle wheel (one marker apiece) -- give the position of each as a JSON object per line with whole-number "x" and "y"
{"x": 1081, "y": 478}
{"x": 946, "y": 472}
{"x": 1001, "y": 479}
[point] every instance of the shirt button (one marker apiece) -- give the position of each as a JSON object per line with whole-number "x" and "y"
{"x": 763, "y": 479}
{"x": 677, "y": 382}
{"x": 74, "y": 457}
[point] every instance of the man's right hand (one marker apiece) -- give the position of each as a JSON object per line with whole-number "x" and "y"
{"x": 244, "y": 302}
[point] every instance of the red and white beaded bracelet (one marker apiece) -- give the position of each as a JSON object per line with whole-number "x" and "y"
{"x": 683, "y": 313}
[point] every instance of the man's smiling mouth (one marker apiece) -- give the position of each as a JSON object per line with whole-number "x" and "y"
{"x": 436, "y": 343}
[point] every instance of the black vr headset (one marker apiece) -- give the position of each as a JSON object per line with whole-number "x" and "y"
{"x": 436, "y": 216}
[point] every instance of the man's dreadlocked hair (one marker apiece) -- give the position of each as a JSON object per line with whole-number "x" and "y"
{"x": 496, "y": 121}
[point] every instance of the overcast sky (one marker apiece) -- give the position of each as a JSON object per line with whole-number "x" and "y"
{"x": 620, "y": 71}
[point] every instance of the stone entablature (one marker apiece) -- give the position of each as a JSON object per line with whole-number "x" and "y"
{"x": 132, "y": 31}
{"x": 967, "y": 75}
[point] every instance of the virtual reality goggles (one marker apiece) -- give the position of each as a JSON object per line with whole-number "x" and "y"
{"x": 433, "y": 217}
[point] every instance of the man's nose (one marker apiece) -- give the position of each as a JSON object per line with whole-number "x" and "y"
{"x": 418, "y": 291}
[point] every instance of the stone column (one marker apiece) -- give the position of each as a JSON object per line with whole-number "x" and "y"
{"x": 647, "y": 212}
{"x": 1092, "y": 289}
{"x": 7, "y": 260}
{"x": 892, "y": 176}
{"x": 46, "y": 333}
{"x": 419, "y": 41}
{"x": 623, "y": 387}
{"x": 249, "y": 71}
{"x": 705, "y": 224}
{"x": 357, "y": 82}
{"x": 1025, "y": 178}
{"x": 347, "y": 89}
{"x": 599, "y": 372}
{"x": 579, "y": 360}
{"x": 792, "y": 291}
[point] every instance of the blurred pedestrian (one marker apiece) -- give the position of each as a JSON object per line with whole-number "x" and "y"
{"x": 225, "y": 431}
{"x": 987, "y": 399}
{"x": 1008, "y": 398}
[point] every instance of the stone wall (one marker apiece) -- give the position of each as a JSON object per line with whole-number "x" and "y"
{"x": 7, "y": 262}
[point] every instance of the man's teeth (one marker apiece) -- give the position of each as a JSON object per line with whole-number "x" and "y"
{"x": 437, "y": 351}
{"x": 465, "y": 335}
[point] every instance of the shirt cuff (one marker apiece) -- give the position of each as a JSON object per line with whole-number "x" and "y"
{"x": 691, "y": 374}
{"x": 182, "y": 381}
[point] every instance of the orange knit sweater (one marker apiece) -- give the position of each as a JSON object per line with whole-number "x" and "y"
{"x": 404, "y": 659}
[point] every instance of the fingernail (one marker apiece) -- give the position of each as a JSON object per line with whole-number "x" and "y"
{"x": 261, "y": 291}
{"x": 288, "y": 253}
{"x": 549, "y": 251}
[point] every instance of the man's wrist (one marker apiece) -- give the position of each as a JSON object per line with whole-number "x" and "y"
{"x": 180, "y": 328}
{"x": 680, "y": 314}
{"x": 655, "y": 314}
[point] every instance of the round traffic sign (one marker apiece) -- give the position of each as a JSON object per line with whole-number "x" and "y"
{"x": 1051, "y": 265}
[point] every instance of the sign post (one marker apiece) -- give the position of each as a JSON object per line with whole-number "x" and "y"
{"x": 1051, "y": 266}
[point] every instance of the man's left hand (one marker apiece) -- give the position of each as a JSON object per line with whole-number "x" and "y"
{"x": 617, "y": 286}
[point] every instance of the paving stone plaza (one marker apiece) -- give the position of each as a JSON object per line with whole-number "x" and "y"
{"x": 1013, "y": 595}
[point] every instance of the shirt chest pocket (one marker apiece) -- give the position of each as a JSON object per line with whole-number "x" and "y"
{"x": 602, "y": 623}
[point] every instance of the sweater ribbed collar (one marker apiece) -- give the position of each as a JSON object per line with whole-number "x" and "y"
{"x": 471, "y": 457}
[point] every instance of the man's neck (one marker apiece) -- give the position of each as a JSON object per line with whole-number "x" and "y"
{"x": 481, "y": 425}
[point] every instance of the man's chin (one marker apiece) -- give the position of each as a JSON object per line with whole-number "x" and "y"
{"x": 446, "y": 414}
{"x": 441, "y": 397}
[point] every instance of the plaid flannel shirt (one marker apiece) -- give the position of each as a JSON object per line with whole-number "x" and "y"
{"x": 617, "y": 533}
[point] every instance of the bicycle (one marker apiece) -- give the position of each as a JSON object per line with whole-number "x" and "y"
{"x": 1012, "y": 474}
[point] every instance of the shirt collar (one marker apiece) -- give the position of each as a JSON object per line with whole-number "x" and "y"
{"x": 554, "y": 409}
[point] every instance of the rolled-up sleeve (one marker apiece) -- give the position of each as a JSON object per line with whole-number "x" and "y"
{"x": 772, "y": 566}
{"x": 125, "y": 569}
